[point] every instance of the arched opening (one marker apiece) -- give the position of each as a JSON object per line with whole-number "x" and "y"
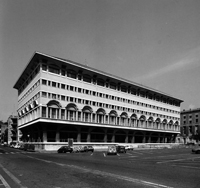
{"x": 71, "y": 111}
{"x": 87, "y": 113}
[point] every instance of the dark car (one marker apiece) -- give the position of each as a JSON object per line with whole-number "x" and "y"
{"x": 65, "y": 149}
{"x": 29, "y": 147}
{"x": 88, "y": 148}
{"x": 196, "y": 150}
{"x": 121, "y": 149}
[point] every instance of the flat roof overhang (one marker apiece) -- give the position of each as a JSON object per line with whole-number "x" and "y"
{"x": 43, "y": 120}
{"x": 34, "y": 61}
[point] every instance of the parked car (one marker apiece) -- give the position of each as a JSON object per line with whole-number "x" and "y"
{"x": 196, "y": 150}
{"x": 88, "y": 148}
{"x": 29, "y": 147}
{"x": 21, "y": 146}
{"x": 76, "y": 149}
{"x": 129, "y": 147}
{"x": 120, "y": 149}
{"x": 17, "y": 146}
{"x": 112, "y": 150}
{"x": 64, "y": 149}
{"x": 12, "y": 144}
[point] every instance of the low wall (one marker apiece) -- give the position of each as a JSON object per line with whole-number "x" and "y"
{"x": 53, "y": 146}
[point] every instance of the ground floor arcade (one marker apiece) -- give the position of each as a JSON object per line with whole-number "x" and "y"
{"x": 55, "y": 132}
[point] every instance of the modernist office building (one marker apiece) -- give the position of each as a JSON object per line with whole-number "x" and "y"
{"x": 60, "y": 99}
{"x": 190, "y": 124}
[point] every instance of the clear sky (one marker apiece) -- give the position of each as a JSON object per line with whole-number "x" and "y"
{"x": 152, "y": 42}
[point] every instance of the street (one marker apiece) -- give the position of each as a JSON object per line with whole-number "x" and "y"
{"x": 177, "y": 168}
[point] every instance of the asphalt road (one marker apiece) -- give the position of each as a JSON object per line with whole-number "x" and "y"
{"x": 161, "y": 168}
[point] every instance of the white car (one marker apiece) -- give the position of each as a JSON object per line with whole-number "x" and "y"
{"x": 129, "y": 147}
{"x": 17, "y": 145}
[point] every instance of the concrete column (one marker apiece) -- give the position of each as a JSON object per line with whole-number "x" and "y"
{"x": 57, "y": 135}
{"x": 113, "y": 137}
{"x": 105, "y": 136}
{"x": 126, "y": 139}
{"x": 44, "y": 134}
{"x": 133, "y": 139}
{"x": 79, "y": 135}
{"x": 149, "y": 139}
{"x": 81, "y": 115}
{"x": 144, "y": 139}
{"x": 46, "y": 112}
{"x": 158, "y": 140}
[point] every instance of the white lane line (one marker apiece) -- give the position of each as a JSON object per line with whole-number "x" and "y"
{"x": 177, "y": 160}
{"x": 193, "y": 167}
{"x": 4, "y": 182}
{"x": 15, "y": 179}
{"x": 98, "y": 172}
{"x": 163, "y": 156}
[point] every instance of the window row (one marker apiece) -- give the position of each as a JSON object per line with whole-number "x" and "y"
{"x": 99, "y": 104}
{"x": 103, "y": 95}
{"x": 31, "y": 76}
{"x": 30, "y": 91}
{"x": 106, "y": 83}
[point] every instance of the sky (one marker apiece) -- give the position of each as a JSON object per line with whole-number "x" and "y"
{"x": 155, "y": 43}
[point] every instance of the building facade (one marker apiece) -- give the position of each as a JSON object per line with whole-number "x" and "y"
{"x": 60, "y": 99}
{"x": 12, "y": 129}
{"x": 4, "y": 132}
{"x": 190, "y": 124}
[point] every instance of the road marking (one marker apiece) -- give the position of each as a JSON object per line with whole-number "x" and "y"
{"x": 193, "y": 167}
{"x": 162, "y": 156}
{"x": 177, "y": 160}
{"x": 138, "y": 153}
{"x": 16, "y": 180}
{"x": 4, "y": 182}
{"x": 98, "y": 172}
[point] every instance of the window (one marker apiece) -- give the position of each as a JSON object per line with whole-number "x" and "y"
{"x": 100, "y": 82}
{"x": 87, "y": 78}
{"x": 63, "y": 86}
{"x": 44, "y": 94}
{"x": 44, "y": 67}
{"x": 113, "y": 86}
{"x": 71, "y": 88}
{"x": 53, "y": 84}
{"x": 62, "y": 97}
{"x": 54, "y": 70}
{"x": 44, "y": 82}
{"x": 62, "y": 114}
{"x": 43, "y": 111}
{"x": 123, "y": 89}
{"x": 53, "y": 96}
{"x": 71, "y": 74}
{"x": 63, "y": 72}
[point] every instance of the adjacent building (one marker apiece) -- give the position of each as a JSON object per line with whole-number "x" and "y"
{"x": 12, "y": 129}
{"x": 59, "y": 99}
{"x": 190, "y": 124}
